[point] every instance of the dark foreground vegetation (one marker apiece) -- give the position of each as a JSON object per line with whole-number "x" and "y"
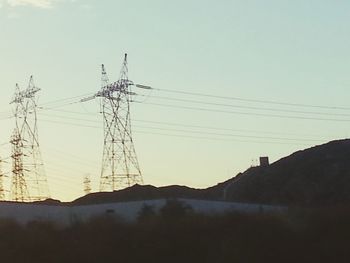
{"x": 176, "y": 234}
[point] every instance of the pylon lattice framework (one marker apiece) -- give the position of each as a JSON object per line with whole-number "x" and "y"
{"x": 19, "y": 190}
{"x": 29, "y": 182}
{"x": 2, "y": 175}
{"x": 87, "y": 184}
{"x": 120, "y": 167}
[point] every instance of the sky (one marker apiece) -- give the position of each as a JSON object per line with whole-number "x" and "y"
{"x": 232, "y": 81}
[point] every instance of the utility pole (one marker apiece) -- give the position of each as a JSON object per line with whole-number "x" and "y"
{"x": 120, "y": 167}
{"x": 29, "y": 182}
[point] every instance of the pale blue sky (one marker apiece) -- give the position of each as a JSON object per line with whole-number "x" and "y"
{"x": 289, "y": 51}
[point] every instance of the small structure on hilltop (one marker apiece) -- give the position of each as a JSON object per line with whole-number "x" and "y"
{"x": 264, "y": 161}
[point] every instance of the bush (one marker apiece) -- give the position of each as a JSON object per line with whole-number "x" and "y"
{"x": 175, "y": 209}
{"x": 146, "y": 213}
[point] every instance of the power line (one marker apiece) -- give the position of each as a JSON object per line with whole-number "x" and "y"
{"x": 229, "y": 135}
{"x": 57, "y": 180}
{"x": 203, "y": 132}
{"x": 67, "y": 111}
{"x": 5, "y": 112}
{"x": 175, "y": 124}
{"x": 220, "y": 128}
{"x": 41, "y": 106}
{"x": 246, "y": 113}
{"x": 71, "y": 124}
{"x": 65, "y": 155}
{"x": 253, "y": 100}
{"x": 59, "y": 173}
{"x": 70, "y": 118}
{"x": 179, "y": 136}
{"x": 218, "y": 139}
{"x": 250, "y": 107}
{"x": 65, "y": 99}
{"x": 7, "y": 117}
{"x": 219, "y": 104}
{"x": 70, "y": 165}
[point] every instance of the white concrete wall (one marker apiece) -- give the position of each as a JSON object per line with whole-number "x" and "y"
{"x": 128, "y": 211}
{"x": 219, "y": 207}
{"x": 24, "y": 213}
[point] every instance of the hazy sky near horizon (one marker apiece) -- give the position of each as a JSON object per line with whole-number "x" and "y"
{"x": 293, "y": 52}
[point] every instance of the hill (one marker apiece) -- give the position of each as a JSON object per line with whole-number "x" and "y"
{"x": 147, "y": 192}
{"x": 318, "y": 176}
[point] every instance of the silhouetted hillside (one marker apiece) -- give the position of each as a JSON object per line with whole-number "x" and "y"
{"x": 147, "y": 192}
{"x": 317, "y": 176}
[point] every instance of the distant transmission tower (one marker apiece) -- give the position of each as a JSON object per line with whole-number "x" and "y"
{"x": 2, "y": 177}
{"x": 120, "y": 167}
{"x": 87, "y": 184}
{"x": 29, "y": 181}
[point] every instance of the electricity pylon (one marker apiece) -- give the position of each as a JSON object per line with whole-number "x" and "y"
{"x": 87, "y": 184}
{"x": 2, "y": 176}
{"x": 120, "y": 167}
{"x": 29, "y": 182}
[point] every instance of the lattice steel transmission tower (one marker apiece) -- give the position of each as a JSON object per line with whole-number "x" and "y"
{"x": 87, "y": 184}
{"x": 29, "y": 182}
{"x": 2, "y": 177}
{"x": 120, "y": 167}
{"x": 19, "y": 189}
